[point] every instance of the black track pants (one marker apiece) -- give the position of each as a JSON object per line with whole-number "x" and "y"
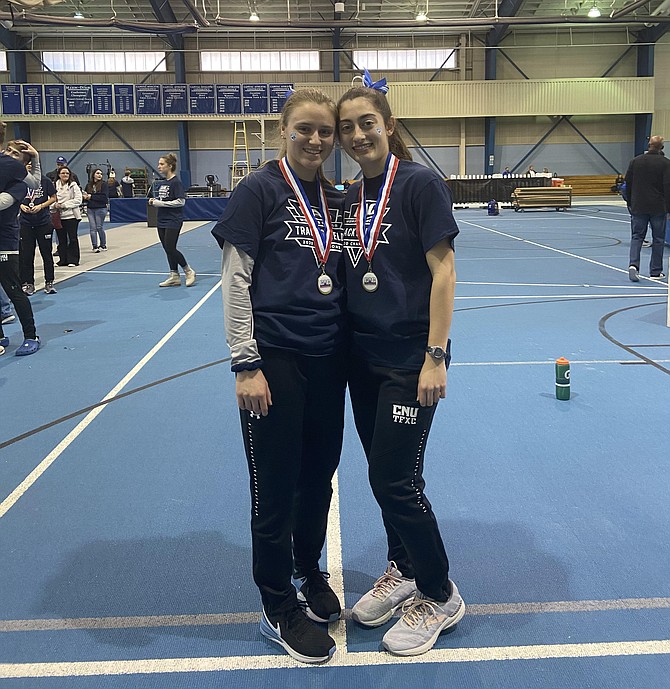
{"x": 9, "y": 279}
{"x": 393, "y": 429}
{"x": 293, "y": 453}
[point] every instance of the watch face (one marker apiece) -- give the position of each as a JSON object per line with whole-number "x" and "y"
{"x": 436, "y": 352}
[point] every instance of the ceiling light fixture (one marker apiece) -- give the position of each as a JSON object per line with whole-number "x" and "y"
{"x": 253, "y": 17}
{"x": 421, "y": 16}
{"x": 78, "y": 15}
{"x": 594, "y": 12}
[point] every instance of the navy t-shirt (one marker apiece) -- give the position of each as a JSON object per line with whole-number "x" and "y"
{"x": 169, "y": 190}
{"x": 263, "y": 219}
{"x": 390, "y": 326}
{"x": 38, "y": 196}
{"x": 12, "y": 174}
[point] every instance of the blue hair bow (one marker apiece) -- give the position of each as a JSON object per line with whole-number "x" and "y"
{"x": 377, "y": 85}
{"x": 289, "y": 92}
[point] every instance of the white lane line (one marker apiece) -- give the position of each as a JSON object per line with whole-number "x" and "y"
{"x": 340, "y": 659}
{"x": 560, "y": 296}
{"x": 35, "y": 474}
{"x": 599, "y": 217}
{"x": 338, "y": 630}
{"x": 545, "y": 246}
{"x": 219, "y": 619}
{"x": 152, "y": 273}
{"x": 553, "y": 284}
{"x": 558, "y": 251}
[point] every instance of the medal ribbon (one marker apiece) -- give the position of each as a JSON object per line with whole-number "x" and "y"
{"x": 368, "y": 232}
{"x": 322, "y": 232}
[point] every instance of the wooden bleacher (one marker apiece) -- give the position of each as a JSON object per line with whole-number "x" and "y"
{"x": 559, "y": 198}
{"x": 591, "y": 185}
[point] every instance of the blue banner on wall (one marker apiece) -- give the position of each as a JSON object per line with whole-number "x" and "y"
{"x": 102, "y": 99}
{"x": 148, "y": 99}
{"x": 54, "y": 99}
{"x": 255, "y": 99}
{"x": 278, "y": 96}
{"x": 228, "y": 99}
{"x": 124, "y": 99}
{"x": 78, "y": 99}
{"x": 11, "y": 99}
{"x": 202, "y": 99}
{"x": 175, "y": 99}
{"x": 33, "y": 99}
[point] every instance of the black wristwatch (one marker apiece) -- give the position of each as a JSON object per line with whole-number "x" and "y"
{"x": 441, "y": 354}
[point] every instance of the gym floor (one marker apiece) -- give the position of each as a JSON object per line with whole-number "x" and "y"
{"x": 124, "y": 510}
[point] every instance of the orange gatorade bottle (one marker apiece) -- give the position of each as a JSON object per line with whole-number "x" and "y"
{"x": 562, "y": 379}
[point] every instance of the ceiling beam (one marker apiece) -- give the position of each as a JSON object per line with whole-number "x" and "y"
{"x": 507, "y": 8}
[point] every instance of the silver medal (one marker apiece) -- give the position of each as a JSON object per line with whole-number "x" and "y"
{"x": 324, "y": 283}
{"x": 31, "y": 204}
{"x": 370, "y": 282}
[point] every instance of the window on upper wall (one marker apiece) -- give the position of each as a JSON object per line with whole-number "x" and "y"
{"x": 260, "y": 61}
{"x": 405, "y": 59}
{"x": 3, "y": 61}
{"x": 104, "y": 61}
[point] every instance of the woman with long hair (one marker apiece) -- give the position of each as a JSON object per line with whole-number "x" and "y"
{"x": 170, "y": 199}
{"x": 96, "y": 195}
{"x": 400, "y": 299}
{"x": 284, "y": 319}
{"x": 68, "y": 201}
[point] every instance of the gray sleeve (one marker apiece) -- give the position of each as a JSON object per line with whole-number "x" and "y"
{"x": 34, "y": 178}
{"x": 238, "y": 315}
{"x": 6, "y": 200}
{"x": 175, "y": 203}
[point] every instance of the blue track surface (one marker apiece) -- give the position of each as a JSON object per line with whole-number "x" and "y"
{"x": 142, "y": 516}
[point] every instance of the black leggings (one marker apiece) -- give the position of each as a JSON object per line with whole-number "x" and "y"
{"x": 394, "y": 429}
{"x": 169, "y": 237}
{"x": 68, "y": 242}
{"x": 293, "y": 453}
{"x": 9, "y": 279}
{"x": 42, "y": 236}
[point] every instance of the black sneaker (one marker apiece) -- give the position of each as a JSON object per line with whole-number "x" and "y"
{"x": 299, "y": 637}
{"x": 322, "y": 603}
{"x": 660, "y": 276}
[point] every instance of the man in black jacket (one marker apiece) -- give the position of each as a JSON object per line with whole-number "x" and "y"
{"x": 648, "y": 197}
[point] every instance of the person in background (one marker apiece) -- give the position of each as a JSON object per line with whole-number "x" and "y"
{"x": 127, "y": 185}
{"x": 285, "y": 326}
{"x": 13, "y": 187}
{"x": 400, "y": 298}
{"x": 170, "y": 199}
{"x": 36, "y": 229}
{"x": 61, "y": 161}
{"x": 531, "y": 171}
{"x": 506, "y": 172}
{"x": 68, "y": 201}
{"x": 113, "y": 185}
{"x": 96, "y": 196}
{"x": 648, "y": 197}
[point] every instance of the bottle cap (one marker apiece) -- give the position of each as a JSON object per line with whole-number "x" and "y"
{"x": 562, "y": 361}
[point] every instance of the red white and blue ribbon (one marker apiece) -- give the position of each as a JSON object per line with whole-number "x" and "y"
{"x": 321, "y": 229}
{"x": 368, "y": 231}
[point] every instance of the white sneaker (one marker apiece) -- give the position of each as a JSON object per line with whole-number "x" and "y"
{"x": 633, "y": 274}
{"x": 190, "y": 276}
{"x": 173, "y": 281}
{"x": 422, "y": 622}
{"x": 387, "y": 594}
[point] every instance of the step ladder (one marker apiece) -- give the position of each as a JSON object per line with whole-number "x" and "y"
{"x": 241, "y": 166}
